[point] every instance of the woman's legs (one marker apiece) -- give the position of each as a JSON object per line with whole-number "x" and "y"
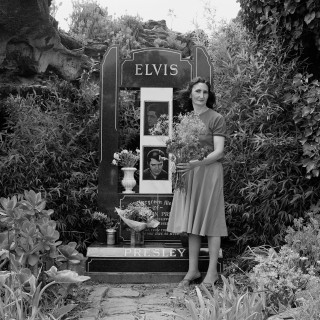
{"x": 214, "y": 247}
{"x": 194, "y": 249}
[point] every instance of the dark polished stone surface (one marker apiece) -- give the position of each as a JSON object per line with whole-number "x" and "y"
{"x": 151, "y": 257}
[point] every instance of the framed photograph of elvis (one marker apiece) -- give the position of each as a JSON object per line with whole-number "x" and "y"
{"x": 155, "y": 163}
{"x": 152, "y": 112}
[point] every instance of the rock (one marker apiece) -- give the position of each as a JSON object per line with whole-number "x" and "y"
{"x": 31, "y": 44}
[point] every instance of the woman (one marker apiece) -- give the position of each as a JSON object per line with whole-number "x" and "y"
{"x": 199, "y": 209}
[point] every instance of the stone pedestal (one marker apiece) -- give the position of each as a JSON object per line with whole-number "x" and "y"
{"x": 153, "y": 262}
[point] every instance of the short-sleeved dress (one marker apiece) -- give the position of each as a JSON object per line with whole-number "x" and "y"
{"x": 199, "y": 208}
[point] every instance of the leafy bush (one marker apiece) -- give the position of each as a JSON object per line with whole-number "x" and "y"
{"x": 50, "y": 144}
{"x": 304, "y": 237}
{"x": 91, "y": 21}
{"x": 27, "y": 244}
{"x": 305, "y": 97}
{"x": 129, "y": 120}
{"x": 226, "y": 303}
{"x": 281, "y": 275}
{"x": 265, "y": 187}
{"x": 297, "y": 22}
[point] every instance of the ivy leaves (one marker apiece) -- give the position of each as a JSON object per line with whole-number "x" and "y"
{"x": 306, "y": 98}
{"x": 293, "y": 19}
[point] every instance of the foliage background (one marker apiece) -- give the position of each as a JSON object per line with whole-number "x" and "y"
{"x": 50, "y": 139}
{"x": 50, "y": 145}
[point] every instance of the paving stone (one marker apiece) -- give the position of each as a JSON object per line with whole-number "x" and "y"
{"x": 91, "y": 312}
{"x": 122, "y": 292}
{"x": 118, "y": 306}
{"x": 158, "y": 316}
{"x": 154, "y": 299}
{"x": 98, "y": 292}
{"x": 121, "y": 317}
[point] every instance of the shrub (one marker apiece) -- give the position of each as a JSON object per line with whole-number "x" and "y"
{"x": 129, "y": 120}
{"x": 29, "y": 240}
{"x": 281, "y": 275}
{"x": 305, "y": 96}
{"x": 50, "y": 144}
{"x": 304, "y": 237}
{"x": 226, "y": 303}
{"x": 265, "y": 187}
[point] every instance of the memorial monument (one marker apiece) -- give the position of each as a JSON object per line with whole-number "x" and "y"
{"x": 156, "y": 72}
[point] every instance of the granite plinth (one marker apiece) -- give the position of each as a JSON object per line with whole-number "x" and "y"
{"x": 157, "y": 262}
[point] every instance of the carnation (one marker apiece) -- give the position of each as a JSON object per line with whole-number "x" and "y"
{"x": 126, "y": 158}
{"x": 185, "y": 146}
{"x": 138, "y": 216}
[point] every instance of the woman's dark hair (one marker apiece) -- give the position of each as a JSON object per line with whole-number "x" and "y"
{"x": 184, "y": 94}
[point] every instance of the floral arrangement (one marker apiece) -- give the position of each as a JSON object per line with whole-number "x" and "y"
{"x": 161, "y": 128}
{"x": 126, "y": 158}
{"x": 105, "y": 220}
{"x": 138, "y": 216}
{"x": 280, "y": 275}
{"x": 184, "y": 145}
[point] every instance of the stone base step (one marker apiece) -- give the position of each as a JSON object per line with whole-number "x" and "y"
{"x": 136, "y": 277}
{"x": 152, "y": 262}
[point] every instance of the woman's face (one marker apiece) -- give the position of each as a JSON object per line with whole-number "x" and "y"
{"x": 199, "y": 94}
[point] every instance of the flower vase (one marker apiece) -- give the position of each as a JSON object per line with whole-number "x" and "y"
{"x": 111, "y": 236}
{"x": 128, "y": 181}
{"x": 137, "y": 238}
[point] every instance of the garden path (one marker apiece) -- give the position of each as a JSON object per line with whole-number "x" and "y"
{"x": 135, "y": 302}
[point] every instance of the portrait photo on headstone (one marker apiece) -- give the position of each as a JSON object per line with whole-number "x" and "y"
{"x": 155, "y": 163}
{"x": 152, "y": 112}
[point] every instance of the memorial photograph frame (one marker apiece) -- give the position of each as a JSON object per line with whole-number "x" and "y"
{"x": 146, "y": 172}
{"x": 152, "y": 112}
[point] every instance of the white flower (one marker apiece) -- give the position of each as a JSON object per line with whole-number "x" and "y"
{"x": 116, "y": 156}
{"x": 65, "y": 276}
{"x": 114, "y": 162}
{"x": 137, "y": 151}
{"x": 124, "y": 151}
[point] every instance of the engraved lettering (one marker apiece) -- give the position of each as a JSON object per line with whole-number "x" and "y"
{"x": 172, "y": 253}
{"x": 126, "y": 252}
{"x": 173, "y": 70}
{"x": 155, "y": 68}
{"x": 146, "y": 253}
{"x": 181, "y": 251}
{"x": 156, "y": 252}
{"x": 137, "y": 252}
{"x": 147, "y": 70}
{"x": 138, "y": 69}
{"x": 165, "y": 70}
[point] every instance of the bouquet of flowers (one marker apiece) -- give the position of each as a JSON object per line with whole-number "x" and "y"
{"x": 161, "y": 128}
{"x": 126, "y": 158}
{"x": 184, "y": 145}
{"x": 138, "y": 216}
{"x": 105, "y": 220}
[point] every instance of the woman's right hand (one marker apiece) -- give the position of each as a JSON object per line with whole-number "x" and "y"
{"x": 185, "y": 167}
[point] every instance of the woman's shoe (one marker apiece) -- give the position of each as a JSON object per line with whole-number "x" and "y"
{"x": 185, "y": 283}
{"x": 209, "y": 285}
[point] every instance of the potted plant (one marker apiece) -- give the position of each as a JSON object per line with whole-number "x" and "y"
{"x": 138, "y": 216}
{"x": 127, "y": 159}
{"x": 109, "y": 225}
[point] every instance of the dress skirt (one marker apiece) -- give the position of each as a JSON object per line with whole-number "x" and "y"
{"x": 199, "y": 207}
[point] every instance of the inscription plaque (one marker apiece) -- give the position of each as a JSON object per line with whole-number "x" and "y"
{"x": 160, "y": 204}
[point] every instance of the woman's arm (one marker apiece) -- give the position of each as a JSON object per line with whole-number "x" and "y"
{"x": 212, "y": 157}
